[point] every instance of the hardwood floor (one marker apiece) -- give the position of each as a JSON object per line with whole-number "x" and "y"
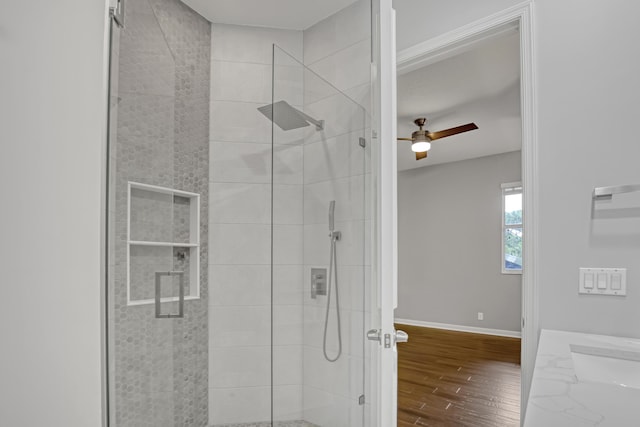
{"x": 448, "y": 378}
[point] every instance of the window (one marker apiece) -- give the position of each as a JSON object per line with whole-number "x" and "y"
{"x": 512, "y": 228}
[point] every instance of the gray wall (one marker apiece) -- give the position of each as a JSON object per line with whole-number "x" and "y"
{"x": 571, "y": 161}
{"x": 160, "y": 98}
{"x": 449, "y": 237}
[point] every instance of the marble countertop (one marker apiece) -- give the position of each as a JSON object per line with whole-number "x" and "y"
{"x": 558, "y": 398}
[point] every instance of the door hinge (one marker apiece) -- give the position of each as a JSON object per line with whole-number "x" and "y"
{"x": 361, "y": 399}
{"x": 116, "y": 7}
{"x": 362, "y": 142}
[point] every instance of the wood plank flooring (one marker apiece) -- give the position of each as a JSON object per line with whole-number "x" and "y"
{"x": 448, "y": 378}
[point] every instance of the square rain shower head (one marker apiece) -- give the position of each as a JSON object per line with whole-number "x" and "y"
{"x": 288, "y": 117}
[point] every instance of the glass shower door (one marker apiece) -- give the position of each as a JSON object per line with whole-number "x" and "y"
{"x": 319, "y": 223}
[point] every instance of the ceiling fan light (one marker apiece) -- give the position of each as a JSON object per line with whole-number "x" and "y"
{"x": 420, "y": 146}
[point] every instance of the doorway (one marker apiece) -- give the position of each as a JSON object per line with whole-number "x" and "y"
{"x": 443, "y": 250}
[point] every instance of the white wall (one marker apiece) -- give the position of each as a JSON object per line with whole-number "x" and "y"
{"x": 586, "y": 80}
{"x": 338, "y": 49}
{"x": 52, "y": 112}
{"x": 449, "y": 244}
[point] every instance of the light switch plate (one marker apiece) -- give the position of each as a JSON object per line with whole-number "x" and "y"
{"x": 603, "y": 281}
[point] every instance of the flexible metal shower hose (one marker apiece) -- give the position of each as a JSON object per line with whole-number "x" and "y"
{"x": 333, "y": 271}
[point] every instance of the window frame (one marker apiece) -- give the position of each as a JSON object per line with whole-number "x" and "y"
{"x": 507, "y": 189}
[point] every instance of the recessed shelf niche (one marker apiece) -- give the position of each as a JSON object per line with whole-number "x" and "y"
{"x": 163, "y": 234}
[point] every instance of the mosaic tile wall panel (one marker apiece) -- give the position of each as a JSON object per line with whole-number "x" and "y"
{"x": 160, "y": 124}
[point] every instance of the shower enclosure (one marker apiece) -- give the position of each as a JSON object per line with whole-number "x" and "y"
{"x": 237, "y": 244}
{"x": 319, "y": 209}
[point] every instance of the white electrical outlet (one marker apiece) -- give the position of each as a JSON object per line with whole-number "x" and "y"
{"x": 480, "y": 315}
{"x": 603, "y": 281}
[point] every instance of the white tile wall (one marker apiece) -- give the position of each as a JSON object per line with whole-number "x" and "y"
{"x": 333, "y": 158}
{"x": 287, "y": 244}
{"x": 240, "y": 231}
{"x": 341, "y": 116}
{"x": 255, "y": 78}
{"x": 240, "y": 162}
{"x": 239, "y": 404}
{"x": 337, "y": 168}
{"x": 239, "y": 121}
{"x": 347, "y": 67}
{"x": 240, "y": 203}
{"x": 240, "y": 244}
{"x": 326, "y": 409}
{"x": 288, "y": 204}
{"x": 351, "y": 297}
{"x": 287, "y": 402}
{"x": 287, "y": 325}
{"x": 288, "y": 284}
{"x": 234, "y": 285}
{"x": 240, "y": 367}
{"x": 240, "y": 326}
{"x": 310, "y": 168}
{"x": 351, "y": 327}
{"x": 237, "y": 43}
{"x": 345, "y": 28}
{"x": 287, "y": 164}
{"x": 347, "y": 192}
{"x": 350, "y": 248}
{"x": 287, "y": 366}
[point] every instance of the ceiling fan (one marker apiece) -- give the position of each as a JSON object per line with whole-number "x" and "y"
{"x": 421, "y": 139}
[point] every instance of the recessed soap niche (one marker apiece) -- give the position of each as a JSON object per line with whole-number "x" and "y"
{"x": 163, "y": 235}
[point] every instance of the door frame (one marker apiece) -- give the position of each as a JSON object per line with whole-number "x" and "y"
{"x": 381, "y": 355}
{"x": 453, "y": 42}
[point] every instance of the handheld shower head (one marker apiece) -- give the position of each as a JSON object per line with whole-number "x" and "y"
{"x": 332, "y": 209}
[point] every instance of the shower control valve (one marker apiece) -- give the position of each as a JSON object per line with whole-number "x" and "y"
{"x": 318, "y": 282}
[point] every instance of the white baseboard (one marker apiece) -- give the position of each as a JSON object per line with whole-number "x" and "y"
{"x": 460, "y": 328}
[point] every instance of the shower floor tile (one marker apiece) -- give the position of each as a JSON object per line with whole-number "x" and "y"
{"x": 268, "y": 424}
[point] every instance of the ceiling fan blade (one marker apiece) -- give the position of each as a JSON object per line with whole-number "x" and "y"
{"x": 405, "y": 139}
{"x": 453, "y": 131}
{"x": 422, "y": 155}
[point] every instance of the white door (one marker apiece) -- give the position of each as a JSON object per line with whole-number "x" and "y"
{"x": 383, "y": 336}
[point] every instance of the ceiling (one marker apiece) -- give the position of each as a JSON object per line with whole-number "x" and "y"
{"x": 480, "y": 85}
{"x": 285, "y": 14}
